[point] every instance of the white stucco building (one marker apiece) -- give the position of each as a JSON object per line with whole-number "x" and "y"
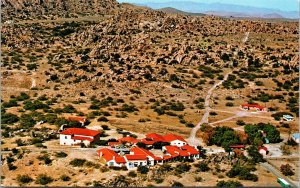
{"x": 75, "y": 136}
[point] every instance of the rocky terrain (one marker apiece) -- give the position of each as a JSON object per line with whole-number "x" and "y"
{"x": 48, "y": 9}
{"x": 140, "y": 70}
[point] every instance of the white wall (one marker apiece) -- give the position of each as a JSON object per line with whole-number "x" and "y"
{"x": 177, "y": 143}
{"x": 113, "y": 163}
{"x": 135, "y": 163}
{"x": 67, "y": 140}
{"x": 263, "y": 152}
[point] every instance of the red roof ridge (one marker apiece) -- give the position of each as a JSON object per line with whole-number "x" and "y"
{"x": 80, "y": 131}
{"x": 172, "y": 137}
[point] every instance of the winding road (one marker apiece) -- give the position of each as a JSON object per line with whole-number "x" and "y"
{"x": 192, "y": 140}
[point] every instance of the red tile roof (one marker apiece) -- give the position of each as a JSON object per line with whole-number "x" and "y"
{"x": 135, "y": 157}
{"x": 238, "y": 146}
{"x": 82, "y": 138}
{"x": 155, "y": 137}
{"x": 109, "y": 155}
{"x": 166, "y": 157}
{"x": 142, "y": 151}
{"x": 113, "y": 143}
{"x": 253, "y": 106}
{"x": 190, "y": 149}
{"x": 80, "y": 131}
{"x": 76, "y": 118}
{"x": 129, "y": 139}
{"x": 147, "y": 142}
{"x": 172, "y": 137}
{"x": 120, "y": 159}
{"x": 175, "y": 151}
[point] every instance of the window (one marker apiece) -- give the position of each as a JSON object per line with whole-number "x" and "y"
{"x": 66, "y": 137}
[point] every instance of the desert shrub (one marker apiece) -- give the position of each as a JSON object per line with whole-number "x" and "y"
{"x": 181, "y": 168}
{"x": 202, "y": 167}
{"x": 40, "y": 145}
{"x": 103, "y": 119}
{"x": 69, "y": 109}
{"x": 105, "y": 127}
{"x": 229, "y": 183}
{"x": 22, "y": 97}
{"x": 77, "y": 162}
{"x": 159, "y": 111}
{"x": 177, "y": 106}
{"x": 45, "y": 158}
{"x": 240, "y": 122}
{"x": 173, "y": 77}
{"x": 19, "y": 142}
{"x": 43, "y": 179}
{"x": 35, "y": 105}
{"x": 10, "y": 103}
{"x": 158, "y": 180}
{"x": 11, "y": 166}
{"x": 144, "y": 120}
{"x": 171, "y": 113}
{"x": 89, "y": 164}
{"x": 8, "y": 118}
{"x": 213, "y": 113}
{"x": 132, "y": 174}
{"x": 65, "y": 178}
{"x": 143, "y": 169}
{"x": 229, "y": 98}
{"x": 36, "y": 140}
{"x": 97, "y": 184}
{"x": 24, "y": 179}
{"x": 198, "y": 178}
{"x": 61, "y": 154}
{"x": 190, "y": 125}
{"x": 128, "y": 108}
{"x": 242, "y": 173}
{"x": 291, "y": 142}
{"x": 287, "y": 170}
{"x": 177, "y": 184}
{"x": 230, "y": 104}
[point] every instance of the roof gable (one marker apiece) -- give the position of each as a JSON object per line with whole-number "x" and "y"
{"x": 172, "y": 137}
{"x": 80, "y": 131}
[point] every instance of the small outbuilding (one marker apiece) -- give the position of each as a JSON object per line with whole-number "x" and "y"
{"x": 287, "y": 118}
{"x": 263, "y": 150}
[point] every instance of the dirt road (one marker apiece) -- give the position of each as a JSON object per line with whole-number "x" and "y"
{"x": 274, "y": 171}
{"x": 192, "y": 139}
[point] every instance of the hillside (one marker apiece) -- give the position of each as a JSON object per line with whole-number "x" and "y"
{"x": 170, "y": 10}
{"x": 47, "y": 9}
{"x": 134, "y": 71}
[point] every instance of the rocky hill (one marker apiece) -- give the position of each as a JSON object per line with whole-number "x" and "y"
{"x": 41, "y": 9}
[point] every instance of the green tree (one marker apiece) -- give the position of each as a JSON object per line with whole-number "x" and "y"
{"x": 256, "y": 157}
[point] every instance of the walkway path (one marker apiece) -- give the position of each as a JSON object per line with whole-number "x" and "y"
{"x": 192, "y": 139}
